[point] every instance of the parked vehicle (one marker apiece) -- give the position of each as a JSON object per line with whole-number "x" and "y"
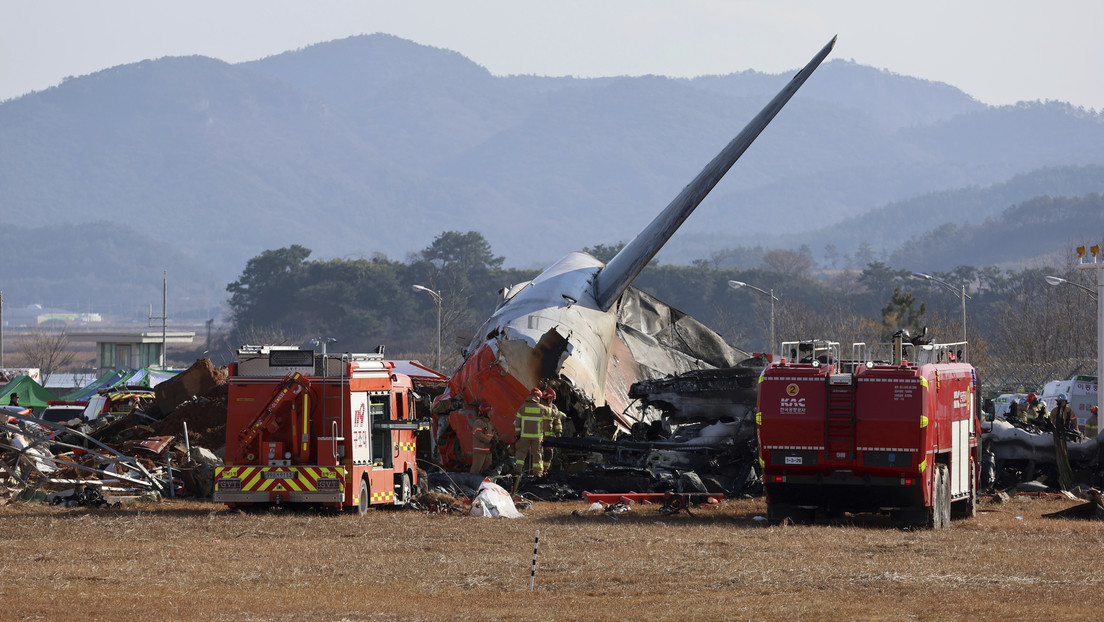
{"x": 896, "y": 434}
{"x": 336, "y": 431}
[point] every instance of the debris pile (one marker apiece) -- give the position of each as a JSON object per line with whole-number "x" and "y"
{"x": 139, "y": 444}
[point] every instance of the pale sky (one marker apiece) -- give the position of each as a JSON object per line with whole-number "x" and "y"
{"x": 998, "y": 51}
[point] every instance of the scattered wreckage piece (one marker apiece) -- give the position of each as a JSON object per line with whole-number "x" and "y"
{"x": 647, "y": 497}
{"x": 672, "y": 502}
{"x": 83, "y": 496}
{"x": 726, "y": 466}
{"x": 433, "y": 502}
{"x": 29, "y": 454}
{"x": 1093, "y": 509}
{"x": 493, "y": 502}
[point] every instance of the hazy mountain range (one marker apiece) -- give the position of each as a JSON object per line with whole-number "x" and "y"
{"x": 375, "y": 144}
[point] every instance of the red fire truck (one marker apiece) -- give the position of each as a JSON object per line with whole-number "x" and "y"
{"x": 301, "y": 428}
{"x": 895, "y": 435}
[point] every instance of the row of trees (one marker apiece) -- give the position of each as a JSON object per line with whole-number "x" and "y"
{"x": 283, "y": 296}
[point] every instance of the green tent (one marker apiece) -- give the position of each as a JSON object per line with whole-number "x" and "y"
{"x": 31, "y": 394}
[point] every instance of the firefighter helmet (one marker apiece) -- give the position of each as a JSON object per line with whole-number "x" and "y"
{"x": 1062, "y": 397}
{"x": 536, "y": 392}
{"x": 549, "y": 393}
{"x": 1030, "y": 398}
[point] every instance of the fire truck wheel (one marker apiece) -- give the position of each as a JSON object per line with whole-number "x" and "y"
{"x": 365, "y": 496}
{"x": 402, "y": 499}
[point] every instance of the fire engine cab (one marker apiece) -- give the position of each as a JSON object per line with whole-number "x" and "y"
{"x": 893, "y": 429}
{"x": 325, "y": 430}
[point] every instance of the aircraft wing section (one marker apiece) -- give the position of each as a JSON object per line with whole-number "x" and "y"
{"x": 627, "y": 264}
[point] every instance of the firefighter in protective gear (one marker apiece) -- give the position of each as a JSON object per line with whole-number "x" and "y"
{"x": 529, "y": 427}
{"x": 553, "y": 423}
{"x": 1061, "y": 417}
{"x": 1037, "y": 412}
{"x": 482, "y": 435}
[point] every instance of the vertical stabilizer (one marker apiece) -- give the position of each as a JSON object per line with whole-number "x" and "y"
{"x": 627, "y": 264}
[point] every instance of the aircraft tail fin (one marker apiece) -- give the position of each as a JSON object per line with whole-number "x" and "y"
{"x": 627, "y": 264}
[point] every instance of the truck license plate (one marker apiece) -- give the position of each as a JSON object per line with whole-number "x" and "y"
{"x": 279, "y": 475}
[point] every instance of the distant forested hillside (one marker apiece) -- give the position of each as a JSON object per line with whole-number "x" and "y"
{"x": 1037, "y": 227}
{"x": 372, "y": 146}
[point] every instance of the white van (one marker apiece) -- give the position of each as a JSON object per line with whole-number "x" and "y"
{"x": 1081, "y": 391}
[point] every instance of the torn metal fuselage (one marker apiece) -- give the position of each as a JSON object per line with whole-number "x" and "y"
{"x": 1018, "y": 454}
{"x": 528, "y": 343}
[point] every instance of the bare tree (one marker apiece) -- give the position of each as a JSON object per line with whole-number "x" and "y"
{"x": 787, "y": 262}
{"x": 833, "y": 321}
{"x": 48, "y": 350}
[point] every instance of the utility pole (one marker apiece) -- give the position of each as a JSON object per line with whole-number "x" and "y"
{"x": 164, "y": 316}
{"x": 1, "y": 330}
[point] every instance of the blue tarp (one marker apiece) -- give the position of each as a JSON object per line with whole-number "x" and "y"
{"x": 108, "y": 379}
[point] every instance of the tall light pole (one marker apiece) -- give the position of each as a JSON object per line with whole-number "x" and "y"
{"x": 323, "y": 341}
{"x": 1097, "y": 265}
{"x": 770, "y": 294}
{"x": 961, "y": 292}
{"x": 437, "y": 303}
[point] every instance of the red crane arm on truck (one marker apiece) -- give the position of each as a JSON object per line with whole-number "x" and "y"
{"x": 283, "y": 390}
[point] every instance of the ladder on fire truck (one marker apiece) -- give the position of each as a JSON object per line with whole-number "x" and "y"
{"x": 839, "y": 427}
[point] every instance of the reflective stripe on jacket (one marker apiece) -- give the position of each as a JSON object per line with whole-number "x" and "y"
{"x": 530, "y": 420}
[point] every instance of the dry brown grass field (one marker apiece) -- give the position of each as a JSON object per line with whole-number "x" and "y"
{"x": 200, "y": 561}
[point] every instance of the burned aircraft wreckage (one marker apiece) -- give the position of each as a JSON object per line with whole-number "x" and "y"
{"x": 1022, "y": 456}
{"x": 607, "y": 349}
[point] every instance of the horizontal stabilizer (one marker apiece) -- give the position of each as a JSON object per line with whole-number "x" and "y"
{"x": 627, "y": 264}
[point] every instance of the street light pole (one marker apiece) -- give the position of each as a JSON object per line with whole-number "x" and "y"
{"x": 1053, "y": 280}
{"x": 960, "y": 291}
{"x": 437, "y": 303}
{"x": 770, "y": 294}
